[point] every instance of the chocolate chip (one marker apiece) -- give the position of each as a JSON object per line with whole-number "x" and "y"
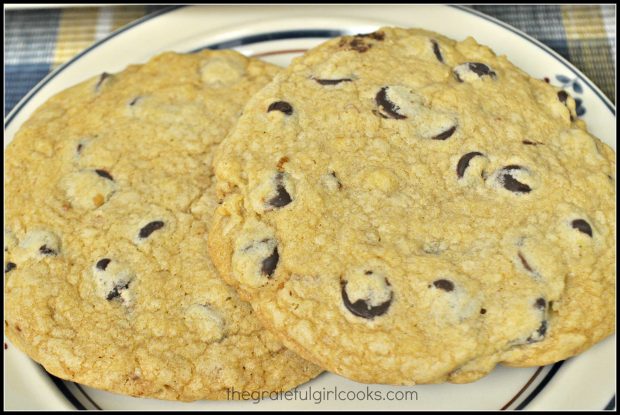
{"x": 282, "y": 197}
{"x": 510, "y": 183}
{"x": 437, "y": 51}
{"x": 102, "y": 78}
{"x": 259, "y": 249}
{"x": 113, "y": 281}
{"x": 116, "y": 291}
{"x": 480, "y": 69}
{"x": 526, "y": 264}
{"x": 463, "y": 163}
{"x": 446, "y": 134}
{"x": 102, "y": 264}
{"x": 531, "y": 143}
{"x": 562, "y": 96}
{"x": 483, "y": 311}
{"x": 151, "y": 227}
{"x": 270, "y": 263}
{"x": 82, "y": 144}
{"x": 10, "y": 266}
{"x": 333, "y": 174}
{"x": 542, "y": 330}
{"x": 332, "y": 81}
{"x": 358, "y": 45}
{"x": 281, "y": 106}
{"x": 540, "y": 303}
{"x": 445, "y": 285}
{"x": 45, "y": 250}
{"x": 539, "y": 334}
{"x": 582, "y": 226}
{"x": 361, "y": 307}
{"x": 378, "y": 35}
{"x": 104, "y": 174}
{"x": 389, "y": 107}
{"x": 134, "y": 101}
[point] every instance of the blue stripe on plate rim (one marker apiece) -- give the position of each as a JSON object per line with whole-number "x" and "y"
{"x": 293, "y": 34}
{"x": 263, "y": 37}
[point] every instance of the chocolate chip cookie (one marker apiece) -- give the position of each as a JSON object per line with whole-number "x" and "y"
{"x": 403, "y": 208}
{"x": 109, "y": 192}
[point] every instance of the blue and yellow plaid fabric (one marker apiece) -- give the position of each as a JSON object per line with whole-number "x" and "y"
{"x": 37, "y": 41}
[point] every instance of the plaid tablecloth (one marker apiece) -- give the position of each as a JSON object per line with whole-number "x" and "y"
{"x": 37, "y": 41}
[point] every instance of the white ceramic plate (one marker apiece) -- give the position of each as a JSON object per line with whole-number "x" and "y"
{"x": 277, "y": 34}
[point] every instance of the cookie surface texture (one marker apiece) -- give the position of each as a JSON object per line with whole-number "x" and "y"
{"x": 109, "y": 192}
{"x": 403, "y": 208}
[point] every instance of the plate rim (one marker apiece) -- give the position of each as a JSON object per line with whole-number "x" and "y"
{"x": 71, "y": 399}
